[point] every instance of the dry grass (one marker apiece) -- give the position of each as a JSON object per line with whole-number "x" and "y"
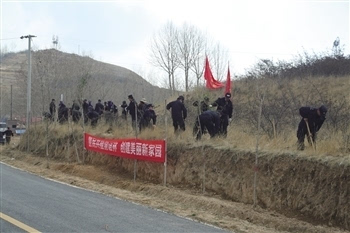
{"x": 332, "y": 148}
{"x": 185, "y": 153}
{"x": 242, "y": 133}
{"x": 234, "y": 216}
{"x": 328, "y": 144}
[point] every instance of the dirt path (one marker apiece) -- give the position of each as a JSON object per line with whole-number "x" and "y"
{"x": 188, "y": 203}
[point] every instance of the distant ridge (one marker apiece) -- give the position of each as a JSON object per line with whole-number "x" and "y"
{"x": 76, "y": 77}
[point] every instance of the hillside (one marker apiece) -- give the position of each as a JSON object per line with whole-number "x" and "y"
{"x": 297, "y": 191}
{"x": 76, "y": 77}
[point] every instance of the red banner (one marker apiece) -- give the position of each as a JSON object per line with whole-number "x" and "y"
{"x": 132, "y": 148}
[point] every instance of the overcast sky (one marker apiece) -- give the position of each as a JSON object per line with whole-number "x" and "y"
{"x": 119, "y": 32}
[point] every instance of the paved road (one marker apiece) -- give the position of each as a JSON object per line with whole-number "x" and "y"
{"x": 49, "y": 206}
{"x": 8, "y": 227}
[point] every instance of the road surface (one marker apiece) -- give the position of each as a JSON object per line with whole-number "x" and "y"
{"x": 47, "y": 206}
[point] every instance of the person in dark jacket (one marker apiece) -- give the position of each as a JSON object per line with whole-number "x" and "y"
{"x": 224, "y": 105}
{"x": 85, "y": 110}
{"x": 209, "y": 120}
{"x": 85, "y": 106}
{"x": 124, "y": 109}
{"x": 47, "y": 115}
{"x": 114, "y": 109}
{"x": 132, "y": 108}
{"x": 141, "y": 107}
{"x": 178, "y": 113}
{"x": 75, "y": 105}
{"x": 93, "y": 116}
{"x": 99, "y": 107}
{"x": 108, "y": 106}
{"x": 312, "y": 117}
{"x": 52, "y": 109}
{"x": 203, "y": 106}
{"x": 62, "y": 113}
{"x": 105, "y": 106}
{"x": 109, "y": 114}
{"x": 75, "y": 112}
{"x": 149, "y": 118}
{"x": 76, "y": 115}
{"x": 8, "y": 133}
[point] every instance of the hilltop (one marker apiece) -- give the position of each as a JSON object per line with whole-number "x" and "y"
{"x": 76, "y": 77}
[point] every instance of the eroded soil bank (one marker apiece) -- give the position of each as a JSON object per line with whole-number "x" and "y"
{"x": 312, "y": 189}
{"x": 294, "y": 193}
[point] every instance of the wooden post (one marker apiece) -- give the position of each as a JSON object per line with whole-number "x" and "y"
{"x": 166, "y": 138}
{"x": 135, "y": 161}
{"x": 257, "y": 150}
{"x": 47, "y": 143}
{"x": 310, "y": 135}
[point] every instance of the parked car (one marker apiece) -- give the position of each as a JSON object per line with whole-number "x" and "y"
{"x": 3, "y": 128}
{"x": 20, "y": 131}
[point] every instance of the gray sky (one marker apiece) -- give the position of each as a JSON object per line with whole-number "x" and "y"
{"x": 119, "y": 32}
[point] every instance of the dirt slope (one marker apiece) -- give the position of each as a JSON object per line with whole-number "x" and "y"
{"x": 182, "y": 200}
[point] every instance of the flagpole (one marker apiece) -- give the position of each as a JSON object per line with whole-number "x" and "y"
{"x": 227, "y": 78}
{"x": 166, "y": 141}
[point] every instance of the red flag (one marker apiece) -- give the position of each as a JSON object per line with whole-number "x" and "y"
{"x": 211, "y": 83}
{"x": 228, "y": 82}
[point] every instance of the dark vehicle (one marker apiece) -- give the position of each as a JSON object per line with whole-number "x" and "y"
{"x": 20, "y": 131}
{"x": 2, "y": 138}
{"x": 3, "y": 127}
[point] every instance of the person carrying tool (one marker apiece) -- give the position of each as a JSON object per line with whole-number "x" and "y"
{"x": 202, "y": 106}
{"x": 209, "y": 120}
{"x": 310, "y": 124}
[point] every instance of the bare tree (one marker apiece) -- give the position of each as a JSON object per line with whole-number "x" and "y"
{"x": 3, "y": 51}
{"x": 190, "y": 45}
{"x": 164, "y": 52}
{"x": 198, "y": 61}
{"x": 54, "y": 73}
{"x": 76, "y": 77}
{"x": 220, "y": 59}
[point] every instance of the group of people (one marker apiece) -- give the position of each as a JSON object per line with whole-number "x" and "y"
{"x": 146, "y": 116}
{"x": 214, "y": 122}
{"x": 142, "y": 113}
{"x": 90, "y": 113}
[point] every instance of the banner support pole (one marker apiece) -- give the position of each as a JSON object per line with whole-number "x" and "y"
{"x": 83, "y": 125}
{"x": 47, "y": 143}
{"x": 135, "y": 161}
{"x": 166, "y": 139}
